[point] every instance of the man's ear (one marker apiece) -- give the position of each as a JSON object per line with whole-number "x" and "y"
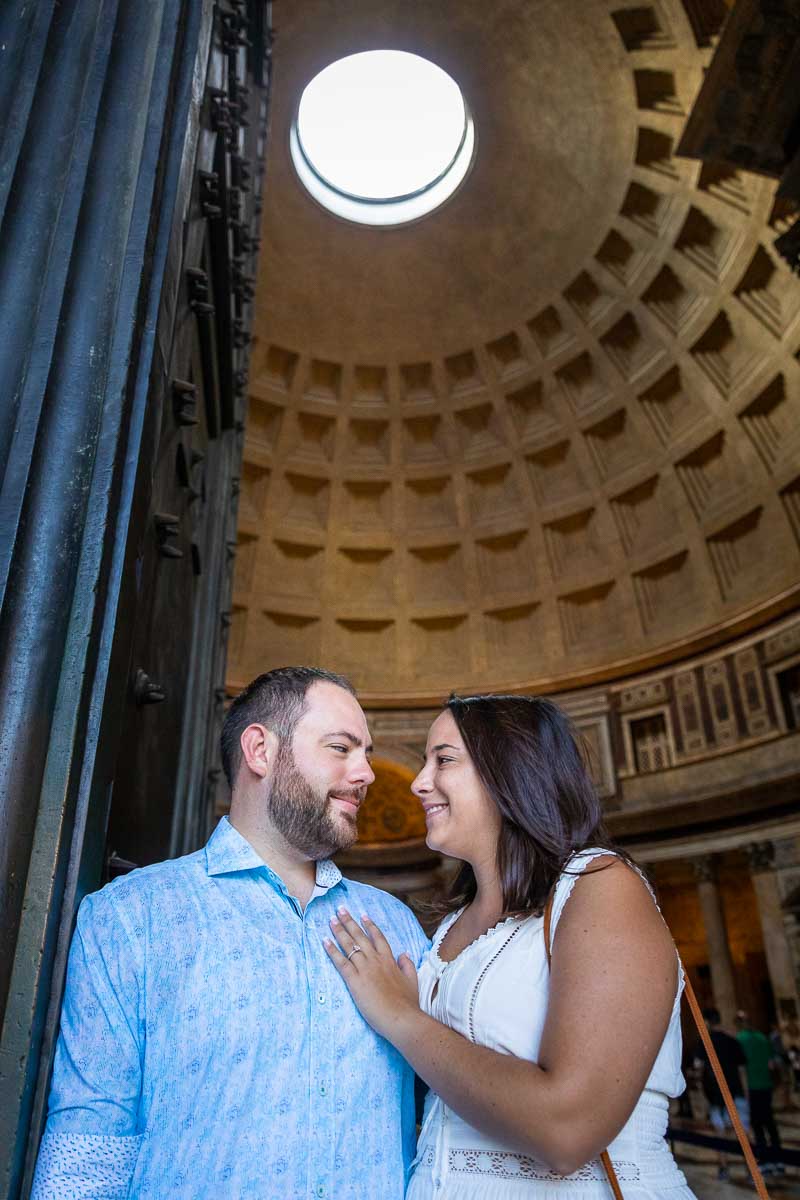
{"x": 259, "y": 747}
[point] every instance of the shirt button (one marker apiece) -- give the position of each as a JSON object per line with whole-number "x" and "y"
{"x": 320, "y": 1189}
{"x": 321, "y": 997}
{"x": 323, "y": 1091}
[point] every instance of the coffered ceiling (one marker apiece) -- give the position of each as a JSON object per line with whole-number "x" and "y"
{"x": 548, "y": 434}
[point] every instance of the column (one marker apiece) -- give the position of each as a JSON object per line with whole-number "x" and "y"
{"x": 101, "y": 112}
{"x": 761, "y": 860}
{"x": 722, "y": 978}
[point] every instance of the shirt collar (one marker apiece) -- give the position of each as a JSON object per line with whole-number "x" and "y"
{"x": 227, "y": 850}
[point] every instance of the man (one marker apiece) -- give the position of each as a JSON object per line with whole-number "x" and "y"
{"x": 208, "y": 1047}
{"x": 734, "y": 1064}
{"x": 760, "y": 1062}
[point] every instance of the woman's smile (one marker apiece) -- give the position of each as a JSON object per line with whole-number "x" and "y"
{"x": 432, "y": 809}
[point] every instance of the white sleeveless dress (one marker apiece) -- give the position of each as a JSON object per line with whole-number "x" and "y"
{"x": 495, "y": 993}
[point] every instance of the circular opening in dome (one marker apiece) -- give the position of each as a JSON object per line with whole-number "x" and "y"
{"x": 382, "y": 137}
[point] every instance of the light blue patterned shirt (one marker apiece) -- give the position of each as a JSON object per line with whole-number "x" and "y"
{"x": 208, "y": 1047}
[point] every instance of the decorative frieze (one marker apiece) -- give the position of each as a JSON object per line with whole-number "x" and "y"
{"x": 690, "y": 717}
{"x": 783, "y": 643}
{"x": 723, "y": 717}
{"x": 751, "y": 691}
{"x": 643, "y": 694}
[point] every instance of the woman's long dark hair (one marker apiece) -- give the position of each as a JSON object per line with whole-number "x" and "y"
{"x": 526, "y": 754}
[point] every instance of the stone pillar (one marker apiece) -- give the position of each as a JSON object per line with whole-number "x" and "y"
{"x": 722, "y": 978}
{"x": 103, "y": 122}
{"x": 761, "y": 859}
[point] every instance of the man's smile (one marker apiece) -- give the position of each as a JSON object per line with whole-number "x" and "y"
{"x": 349, "y": 803}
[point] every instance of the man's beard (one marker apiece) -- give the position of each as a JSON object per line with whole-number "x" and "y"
{"x": 304, "y": 818}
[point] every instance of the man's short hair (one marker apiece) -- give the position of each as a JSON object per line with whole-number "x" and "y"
{"x": 711, "y": 1015}
{"x": 276, "y": 699}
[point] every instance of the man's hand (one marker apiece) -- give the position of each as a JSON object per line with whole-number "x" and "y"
{"x": 384, "y": 991}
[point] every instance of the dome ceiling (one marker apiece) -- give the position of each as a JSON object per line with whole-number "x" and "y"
{"x": 548, "y": 433}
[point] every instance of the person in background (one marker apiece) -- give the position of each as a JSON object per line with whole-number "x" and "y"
{"x": 793, "y": 1054}
{"x": 781, "y": 1082}
{"x": 734, "y": 1067}
{"x": 761, "y": 1061}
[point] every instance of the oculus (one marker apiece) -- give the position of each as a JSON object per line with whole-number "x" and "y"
{"x": 382, "y": 137}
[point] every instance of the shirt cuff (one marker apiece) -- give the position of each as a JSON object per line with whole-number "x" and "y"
{"x": 84, "y": 1166}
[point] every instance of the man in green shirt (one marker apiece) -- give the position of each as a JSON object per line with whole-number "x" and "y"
{"x": 760, "y": 1059}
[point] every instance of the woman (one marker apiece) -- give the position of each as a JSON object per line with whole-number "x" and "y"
{"x": 534, "y": 1069}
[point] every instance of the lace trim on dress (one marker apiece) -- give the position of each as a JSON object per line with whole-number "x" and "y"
{"x": 439, "y": 936}
{"x": 483, "y": 937}
{"x": 503, "y": 1164}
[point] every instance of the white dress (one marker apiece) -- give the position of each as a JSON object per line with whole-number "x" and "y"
{"x": 495, "y": 993}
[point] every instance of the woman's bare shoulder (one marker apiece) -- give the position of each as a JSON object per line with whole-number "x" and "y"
{"x": 611, "y": 900}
